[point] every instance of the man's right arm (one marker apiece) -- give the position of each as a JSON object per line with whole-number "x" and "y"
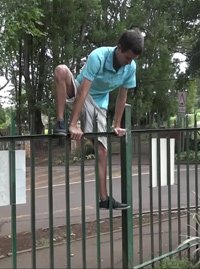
{"x": 89, "y": 72}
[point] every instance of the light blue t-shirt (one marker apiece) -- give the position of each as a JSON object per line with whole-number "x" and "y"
{"x": 99, "y": 69}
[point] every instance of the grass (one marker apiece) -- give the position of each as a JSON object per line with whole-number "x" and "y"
{"x": 175, "y": 263}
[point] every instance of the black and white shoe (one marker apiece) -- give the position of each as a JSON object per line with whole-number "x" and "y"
{"x": 105, "y": 204}
{"x": 59, "y": 128}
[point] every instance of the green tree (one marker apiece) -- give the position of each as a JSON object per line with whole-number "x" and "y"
{"x": 37, "y": 35}
{"x": 192, "y": 99}
{"x": 2, "y": 116}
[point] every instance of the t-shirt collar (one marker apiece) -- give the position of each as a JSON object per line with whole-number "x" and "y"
{"x": 109, "y": 61}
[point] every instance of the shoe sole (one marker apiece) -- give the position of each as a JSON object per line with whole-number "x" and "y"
{"x": 122, "y": 208}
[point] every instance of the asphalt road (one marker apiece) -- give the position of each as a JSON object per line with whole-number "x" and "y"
{"x": 59, "y": 194}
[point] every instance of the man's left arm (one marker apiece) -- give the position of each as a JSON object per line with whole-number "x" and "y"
{"x": 119, "y": 110}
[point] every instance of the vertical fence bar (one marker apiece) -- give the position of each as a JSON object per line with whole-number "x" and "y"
{"x": 50, "y": 200}
{"x": 13, "y": 203}
{"x": 110, "y": 194}
{"x": 151, "y": 198}
{"x": 33, "y": 235}
{"x": 140, "y": 199}
{"x": 67, "y": 194}
{"x": 13, "y": 193}
{"x": 159, "y": 196}
{"x": 126, "y": 186}
{"x": 33, "y": 228}
{"x": 196, "y": 180}
{"x": 169, "y": 192}
{"x": 188, "y": 185}
{"x": 97, "y": 195}
{"x": 178, "y": 149}
{"x": 83, "y": 203}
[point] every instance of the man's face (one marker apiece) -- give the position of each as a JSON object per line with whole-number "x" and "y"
{"x": 124, "y": 58}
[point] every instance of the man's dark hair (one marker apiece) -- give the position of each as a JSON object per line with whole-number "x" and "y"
{"x": 132, "y": 40}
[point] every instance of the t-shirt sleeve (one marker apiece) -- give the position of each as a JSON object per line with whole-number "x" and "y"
{"x": 91, "y": 67}
{"x": 130, "y": 81}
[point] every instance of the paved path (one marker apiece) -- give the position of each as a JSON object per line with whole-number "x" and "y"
{"x": 59, "y": 197}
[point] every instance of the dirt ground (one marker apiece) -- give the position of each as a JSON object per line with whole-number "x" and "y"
{"x": 24, "y": 240}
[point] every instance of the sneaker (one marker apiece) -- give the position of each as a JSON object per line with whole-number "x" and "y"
{"x": 59, "y": 128}
{"x": 114, "y": 204}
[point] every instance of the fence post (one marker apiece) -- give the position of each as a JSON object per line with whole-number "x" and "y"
{"x": 126, "y": 186}
{"x": 13, "y": 191}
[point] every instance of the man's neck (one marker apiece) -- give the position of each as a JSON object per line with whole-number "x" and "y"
{"x": 116, "y": 64}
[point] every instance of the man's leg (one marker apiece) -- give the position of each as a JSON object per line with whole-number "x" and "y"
{"x": 64, "y": 89}
{"x": 90, "y": 112}
{"x": 105, "y": 200}
{"x": 102, "y": 166}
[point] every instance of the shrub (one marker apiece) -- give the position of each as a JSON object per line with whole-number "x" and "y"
{"x": 175, "y": 263}
{"x": 88, "y": 148}
{"x": 190, "y": 156}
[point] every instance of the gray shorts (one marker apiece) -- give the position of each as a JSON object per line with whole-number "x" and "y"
{"x": 90, "y": 112}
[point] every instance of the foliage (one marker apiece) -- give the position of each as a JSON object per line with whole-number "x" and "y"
{"x": 193, "y": 241}
{"x": 175, "y": 263}
{"x": 37, "y": 35}
{"x": 6, "y": 118}
{"x": 192, "y": 97}
{"x": 2, "y": 116}
{"x": 188, "y": 156}
{"x": 88, "y": 148}
{"x": 198, "y": 115}
{"x": 89, "y": 152}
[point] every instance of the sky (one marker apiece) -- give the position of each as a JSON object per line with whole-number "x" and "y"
{"x": 182, "y": 59}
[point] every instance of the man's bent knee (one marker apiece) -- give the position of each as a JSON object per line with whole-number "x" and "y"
{"x": 62, "y": 72}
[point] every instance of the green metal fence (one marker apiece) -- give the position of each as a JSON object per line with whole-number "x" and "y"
{"x": 172, "y": 206}
{"x": 62, "y": 194}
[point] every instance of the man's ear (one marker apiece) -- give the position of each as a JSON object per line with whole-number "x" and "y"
{"x": 119, "y": 47}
